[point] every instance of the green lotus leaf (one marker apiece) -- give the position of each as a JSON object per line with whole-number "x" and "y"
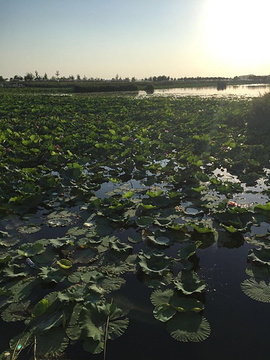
{"x": 256, "y": 290}
{"x": 144, "y": 221}
{"x": 94, "y": 319}
{"x": 160, "y": 240}
{"x": 265, "y": 207}
{"x": 188, "y": 283}
{"x": 201, "y": 228}
{"x": 92, "y": 346}
{"x": 64, "y": 263}
{"x": 15, "y": 271}
{"x": 84, "y": 256}
{"x": 30, "y": 229}
{"x": 5, "y": 258}
{"x": 113, "y": 283}
{"x": 188, "y": 326}
{"x": 77, "y": 231}
{"x": 260, "y": 272}
{"x": 16, "y": 312}
{"x": 47, "y": 323}
{"x": 260, "y": 255}
{"x": 183, "y": 304}
{"x": 155, "y": 263}
{"x": 192, "y": 211}
{"x": 52, "y": 343}
{"x": 154, "y": 194}
{"x": 29, "y": 250}
{"x": 60, "y": 242}
{"x": 189, "y": 250}
{"x": 159, "y": 297}
{"x": 230, "y": 228}
{"x": 61, "y": 219}
{"x": 164, "y": 312}
{"x": 128, "y": 194}
{"x": 21, "y": 289}
{"x": 73, "y": 329}
{"x": 135, "y": 239}
{"x": 49, "y": 274}
{"x": 120, "y": 247}
{"x": 40, "y": 308}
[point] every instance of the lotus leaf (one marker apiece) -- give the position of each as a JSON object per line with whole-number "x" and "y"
{"x": 188, "y": 250}
{"x": 49, "y": 274}
{"x": 40, "y": 308}
{"x": 5, "y": 258}
{"x": 64, "y": 263}
{"x": 257, "y": 290}
{"x": 29, "y": 250}
{"x": 113, "y": 283}
{"x": 155, "y": 263}
{"x": 188, "y": 282}
{"x": 16, "y": 312}
{"x": 164, "y": 312}
{"x": 159, "y": 297}
{"x": 30, "y": 229}
{"x": 144, "y": 221}
{"x": 188, "y": 326}
{"x": 259, "y": 272}
{"x": 52, "y": 343}
{"x": 260, "y": 256}
{"x": 160, "y": 240}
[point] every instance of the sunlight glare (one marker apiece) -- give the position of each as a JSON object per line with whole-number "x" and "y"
{"x": 236, "y": 32}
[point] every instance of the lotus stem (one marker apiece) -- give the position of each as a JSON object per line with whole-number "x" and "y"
{"x": 106, "y": 334}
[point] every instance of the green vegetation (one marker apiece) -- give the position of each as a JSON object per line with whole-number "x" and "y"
{"x": 114, "y": 182}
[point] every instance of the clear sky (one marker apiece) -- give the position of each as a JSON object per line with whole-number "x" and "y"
{"x": 141, "y": 38}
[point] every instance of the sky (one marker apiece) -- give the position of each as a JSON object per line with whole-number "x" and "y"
{"x": 134, "y": 38}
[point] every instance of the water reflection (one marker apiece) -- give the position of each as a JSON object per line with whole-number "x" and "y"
{"x": 250, "y": 90}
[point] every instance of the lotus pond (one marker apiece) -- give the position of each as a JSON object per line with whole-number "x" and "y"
{"x": 133, "y": 228}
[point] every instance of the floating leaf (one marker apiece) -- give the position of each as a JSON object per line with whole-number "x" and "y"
{"x": 188, "y": 326}
{"x": 40, "y": 308}
{"x": 256, "y": 290}
{"x": 29, "y": 250}
{"x": 188, "y": 282}
{"x": 64, "y": 263}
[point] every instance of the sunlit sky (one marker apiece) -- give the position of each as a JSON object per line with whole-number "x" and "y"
{"x": 142, "y": 38}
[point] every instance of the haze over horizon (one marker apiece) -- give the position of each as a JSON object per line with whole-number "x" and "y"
{"x": 99, "y": 39}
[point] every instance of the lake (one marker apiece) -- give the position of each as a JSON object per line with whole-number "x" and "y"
{"x": 250, "y": 90}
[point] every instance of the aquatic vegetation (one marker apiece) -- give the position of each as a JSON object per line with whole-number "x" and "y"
{"x": 95, "y": 189}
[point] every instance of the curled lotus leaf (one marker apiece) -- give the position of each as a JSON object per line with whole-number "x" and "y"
{"x": 188, "y": 327}
{"x": 64, "y": 263}
{"x": 261, "y": 256}
{"x": 155, "y": 263}
{"x": 188, "y": 250}
{"x": 49, "y": 274}
{"x": 118, "y": 246}
{"x": 256, "y": 289}
{"x": 188, "y": 282}
{"x": 160, "y": 240}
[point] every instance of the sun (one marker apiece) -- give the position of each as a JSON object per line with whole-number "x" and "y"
{"x": 236, "y": 32}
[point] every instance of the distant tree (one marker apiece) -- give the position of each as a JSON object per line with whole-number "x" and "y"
{"x": 18, "y": 78}
{"x": 84, "y": 78}
{"x": 133, "y": 79}
{"x": 71, "y": 78}
{"x": 37, "y": 77}
{"x": 29, "y": 77}
{"x": 57, "y": 73}
{"x": 2, "y": 79}
{"x": 45, "y": 77}
{"x": 78, "y": 77}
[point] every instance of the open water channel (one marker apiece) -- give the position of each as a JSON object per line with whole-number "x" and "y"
{"x": 251, "y": 90}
